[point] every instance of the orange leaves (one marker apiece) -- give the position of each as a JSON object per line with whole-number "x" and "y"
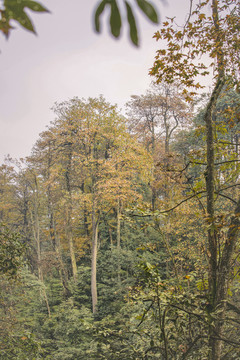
{"x": 201, "y": 16}
{"x": 162, "y": 52}
{"x": 81, "y": 245}
{"x": 202, "y": 35}
{"x": 119, "y": 174}
{"x": 96, "y": 161}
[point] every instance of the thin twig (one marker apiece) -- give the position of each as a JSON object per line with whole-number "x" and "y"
{"x": 225, "y": 196}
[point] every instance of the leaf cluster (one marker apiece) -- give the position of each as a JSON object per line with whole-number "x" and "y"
{"x": 12, "y": 252}
{"x": 116, "y": 16}
{"x": 16, "y": 10}
{"x": 184, "y": 58}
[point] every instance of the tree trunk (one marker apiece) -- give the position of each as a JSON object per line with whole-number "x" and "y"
{"x": 215, "y": 345}
{"x": 36, "y": 235}
{"x": 57, "y": 249}
{"x": 215, "y": 277}
{"x": 70, "y": 243}
{"x": 85, "y": 215}
{"x": 110, "y": 236}
{"x": 119, "y": 239}
{"x": 94, "y": 259}
{"x": 69, "y": 209}
{"x": 225, "y": 267}
{"x": 62, "y": 271}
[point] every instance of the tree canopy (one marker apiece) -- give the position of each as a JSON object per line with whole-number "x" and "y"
{"x": 120, "y": 234}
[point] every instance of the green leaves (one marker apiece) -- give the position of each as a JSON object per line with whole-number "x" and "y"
{"x": 115, "y": 20}
{"x": 11, "y": 252}
{"x": 148, "y": 10}
{"x": 115, "y": 17}
{"x": 132, "y": 24}
{"x": 98, "y": 12}
{"x": 34, "y": 6}
{"x": 15, "y": 10}
{"x": 24, "y": 21}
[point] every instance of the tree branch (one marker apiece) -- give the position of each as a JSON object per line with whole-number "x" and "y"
{"x": 225, "y": 196}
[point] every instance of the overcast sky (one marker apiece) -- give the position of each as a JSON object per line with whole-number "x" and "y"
{"x": 68, "y": 59}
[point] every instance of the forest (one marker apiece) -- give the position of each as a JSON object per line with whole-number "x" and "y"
{"x": 119, "y": 234}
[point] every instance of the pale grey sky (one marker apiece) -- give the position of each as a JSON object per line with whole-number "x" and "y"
{"x": 68, "y": 59}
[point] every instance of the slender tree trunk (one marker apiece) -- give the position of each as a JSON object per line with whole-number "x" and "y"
{"x": 85, "y": 219}
{"x": 70, "y": 243}
{"x": 215, "y": 278}
{"x": 56, "y": 245}
{"x": 166, "y": 142}
{"x": 57, "y": 249}
{"x": 110, "y": 236}
{"x": 94, "y": 259}
{"x": 153, "y": 150}
{"x": 69, "y": 232}
{"x": 62, "y": 271}
{"x": 219, "y": 266}
{"x": 55, "y": 241}
{"x": 46, "y": 298}
{"x": 72, "y": 255}
{"x": 36, "y": 235}
{"x": 215, "y": 345}
{"x": 154, "y": 196}
{"x": 119, "y": 239}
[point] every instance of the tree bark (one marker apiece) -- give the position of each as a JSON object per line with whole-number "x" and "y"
{"x": 36, "y": 235}
{"x": 94, "y": 259}
{"x": 218, "y": 280}
{"x": 110, "y": 236}
{"x": 62, "y": 270}
{"x": 70, "y": 243}
{"x": 69, "y": 210}
{"x": 212, "y": 233}
{"x": 119, "y": 239}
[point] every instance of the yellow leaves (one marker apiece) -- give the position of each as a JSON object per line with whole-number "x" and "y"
{"x": 202, "y": 284}
{"x": 157, "y": 36}
{"x": 166, "y": 23}
{"x": 202, "y": 35}
{"x": 201, "y": 16}
{"x": 178, "y": 35}
{"x": 162, "y": 52}
{"x": 81, "y": 245}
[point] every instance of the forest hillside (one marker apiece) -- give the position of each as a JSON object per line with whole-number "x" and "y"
{"x": 119, "y": 234}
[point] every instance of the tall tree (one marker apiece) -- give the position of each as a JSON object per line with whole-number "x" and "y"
{"x": 48, "y": 143}
{"x": 155, "y": 118}
{"x": 215, "y": 34}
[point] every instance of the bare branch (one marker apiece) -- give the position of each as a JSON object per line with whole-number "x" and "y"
{"x": 225, "y": 196}
{"x": 227, "y": 161}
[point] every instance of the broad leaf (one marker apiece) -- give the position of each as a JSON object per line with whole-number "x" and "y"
{"x": 148, "y": 10}
{"x": 115, "y": 19}
{"x": 98, "y": 12}
{"x": 34, "y": 6}
{"x": 5, "y": 26}
{"x": 24, "y": 20}
{"x": 15, "y": 9}
{"x": 132, "y": 24}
